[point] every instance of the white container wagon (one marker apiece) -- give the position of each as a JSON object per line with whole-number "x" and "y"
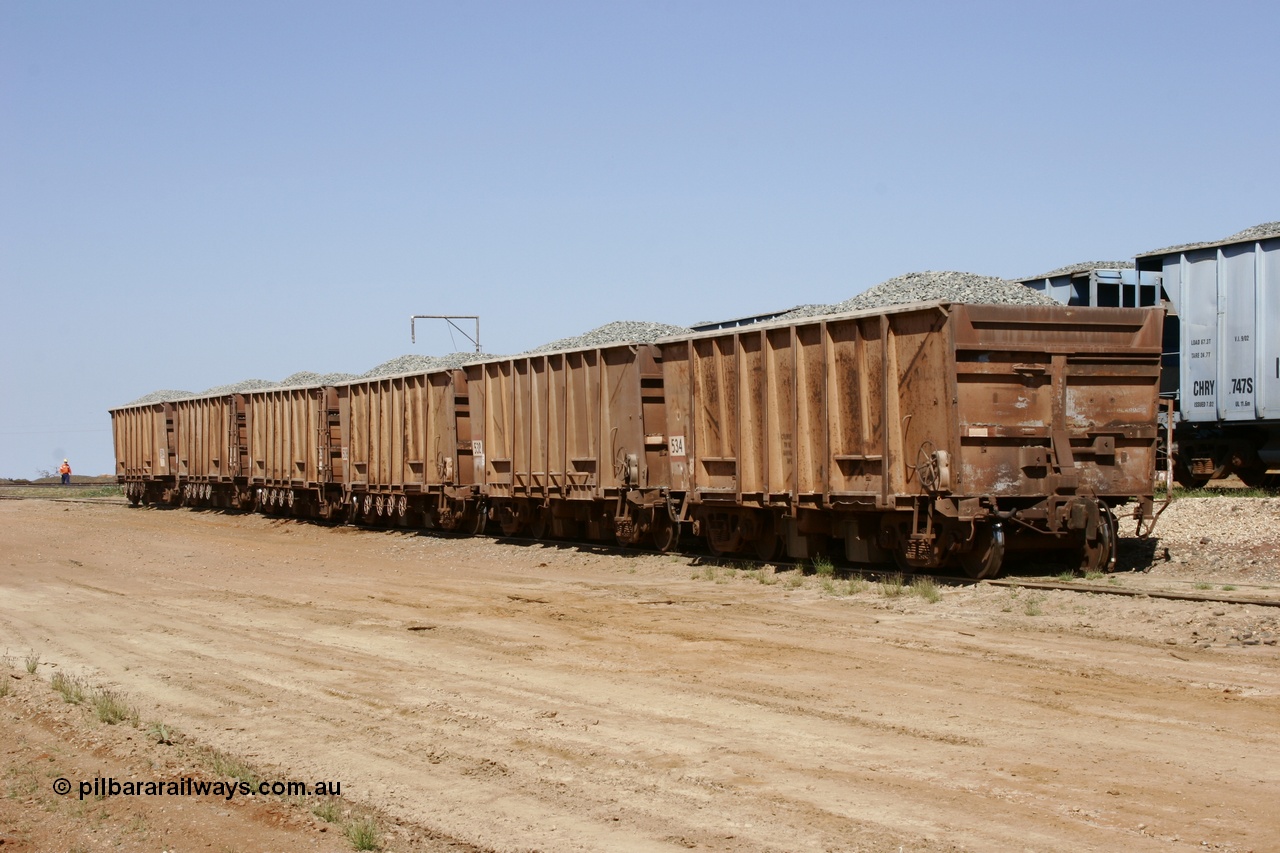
{"x": 1221, "y": 346}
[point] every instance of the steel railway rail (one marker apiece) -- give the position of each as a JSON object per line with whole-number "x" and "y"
{"x": 705, "y": 559}
{"x": 701, "y": 559}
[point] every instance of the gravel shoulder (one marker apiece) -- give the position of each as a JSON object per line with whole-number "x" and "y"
{"x": 496, "y": 696}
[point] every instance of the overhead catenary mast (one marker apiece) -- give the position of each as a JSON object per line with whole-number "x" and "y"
{"x": 449, "y": 318}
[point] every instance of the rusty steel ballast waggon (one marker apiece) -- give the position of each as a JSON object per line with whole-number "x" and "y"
{"x": 934, "y": 435}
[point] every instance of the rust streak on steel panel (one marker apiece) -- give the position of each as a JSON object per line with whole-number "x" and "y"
{"x": 795, "y": 418}
{"x": 743, "y": 404}
{"x": 768, "y": 440}
{"x": 825, "y": 470}
{"x": 885, "y": 414}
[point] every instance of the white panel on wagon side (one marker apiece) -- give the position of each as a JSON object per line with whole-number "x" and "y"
{"x": 1267, "y": 329}
{"x": 1199, "y": 313}
{"x": 1236, "y": 362}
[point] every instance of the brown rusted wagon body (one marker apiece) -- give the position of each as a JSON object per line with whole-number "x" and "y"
{"x": 293, "y": 451}
{"x": 931, "y": 434}
{"x": 144, "y": 444}
{"x": 406, "y": 450}
{"x": 211, "y": 449}
{"x": 571, "y": 443}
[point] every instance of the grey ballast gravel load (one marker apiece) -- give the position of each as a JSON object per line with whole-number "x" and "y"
{"x": 304, "y": 378}
{"x": 239, "y": 387}
{"x": 1257, "y": 232}
{"x": 945, "y": 286}
{"x": 164, "y": 395}
{"x": 630, "y": 331}
{"x": 413, "y": 363}
{"x": 930, "y": 286}
{"x": 913, "y": 287}
{"x": 1263, "y": 231}
{"x": 620, "y": 331}
{"x": 1083, "y": 266}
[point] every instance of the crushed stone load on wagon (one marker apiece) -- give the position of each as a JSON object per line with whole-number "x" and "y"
{"x": 930, "y": 286}
{"x": 414, "y": 363}
{"x": 1083, "y": 266}
{"x": 1261, "y": 231}
{"x": 164, "y": 395}
{"x": 1257, "y": 232}
{"x": 619, "y": 331}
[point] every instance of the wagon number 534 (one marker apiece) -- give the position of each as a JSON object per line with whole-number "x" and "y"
{"x": 677, "y": 445}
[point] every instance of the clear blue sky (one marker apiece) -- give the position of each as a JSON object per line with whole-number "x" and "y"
{"x": 197, "y": 193}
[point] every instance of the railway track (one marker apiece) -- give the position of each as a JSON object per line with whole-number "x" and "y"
{"x": 944, "y": 580}
{"x": 868, "y": 574}
{"x": 1135, "y": 592}
{"x": 72, "y": 492}
{"x": 7, "y": 486}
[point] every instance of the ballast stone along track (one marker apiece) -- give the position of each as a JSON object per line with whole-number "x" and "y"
{"x": 926, "y": 286}
{"x": 691, "y": 435}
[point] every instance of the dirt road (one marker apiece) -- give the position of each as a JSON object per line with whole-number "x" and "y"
{"x": 512, "y": 697}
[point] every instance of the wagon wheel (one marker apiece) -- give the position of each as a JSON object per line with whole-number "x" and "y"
{"x": 458, "y": 517}
{"x": 509, "y": 520}
{"x": 474, "y": 521}
{"x": 541, "y": 524}
{"x": 134, "y": 495}
{"x": 664, "y": 532}
{"x": 1182, "y": 474}
{"x": 901, "y": 563}
{"x": 767, "y": 541}
{"x": 893, "y": 537}
{"x": 1100, "y": 554}
{"x": 984, "y": 559}
{"x": 1255, "y": 477}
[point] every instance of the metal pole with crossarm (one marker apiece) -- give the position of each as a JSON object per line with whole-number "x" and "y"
{"x": 448, "y": 318}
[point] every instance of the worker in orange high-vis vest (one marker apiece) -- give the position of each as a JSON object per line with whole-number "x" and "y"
{"x": 65, "y": 471}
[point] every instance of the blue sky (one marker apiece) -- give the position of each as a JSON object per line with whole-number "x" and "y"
{"x": 197, "y": 193}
